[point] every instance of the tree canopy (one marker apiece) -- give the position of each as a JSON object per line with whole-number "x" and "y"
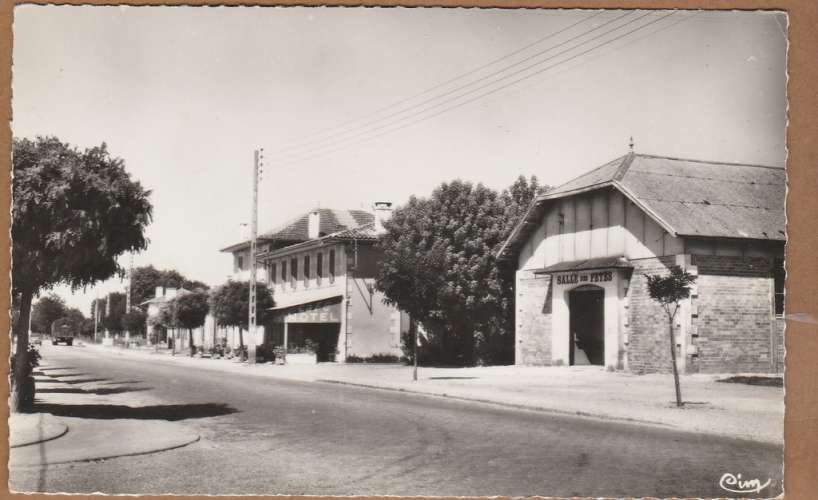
{"x": 145, "y": 279}
{"x": 46, "y": 311}
{"x": 439, "y": 265}
{"x": 191, "y": 309}
{"x": 134, "y": 321}
{"x": 229, "y": 303}
{"x": 73, "y": 213}
{"x": 670, "y": 288}
{"x": 112, "y": 310}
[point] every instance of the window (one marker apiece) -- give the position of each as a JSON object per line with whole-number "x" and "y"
{"x": 271, "y": 273}
{"x": 293, "y": 271}
{"x": 240, "y": 263}
{"x": 283, "y": 271}
{"x": 779, "y": 274}
{"x": 319, "y": 264}
{"x": 331, "y": 266}
{"x": 307, "y": 270}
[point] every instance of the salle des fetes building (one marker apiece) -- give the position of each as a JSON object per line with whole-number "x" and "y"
{"x": 583, "y": 249}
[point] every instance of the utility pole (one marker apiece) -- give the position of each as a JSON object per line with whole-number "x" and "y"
{"x": 96, "y": 315}
{"x": 128, "y": 293}
{"x": 251, "y": 324}
{"x": 413, "y": 325}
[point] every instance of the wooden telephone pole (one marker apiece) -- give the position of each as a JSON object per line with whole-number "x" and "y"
{"x": 251, "y": 324}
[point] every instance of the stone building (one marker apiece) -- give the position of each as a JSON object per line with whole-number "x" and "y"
{"x": 583, "y": 249}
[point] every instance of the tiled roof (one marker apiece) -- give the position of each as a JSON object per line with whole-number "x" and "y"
{"x": 296, "y": 230}
{"x": 686, "y": 197}
{"x": 364, "y": 232}
{"x": 330, "y": 221}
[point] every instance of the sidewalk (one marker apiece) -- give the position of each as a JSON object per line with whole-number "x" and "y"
{"x": 38, "y": 439}
{"x": 727, "y": 409}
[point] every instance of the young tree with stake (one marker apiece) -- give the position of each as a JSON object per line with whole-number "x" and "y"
{"x": 669, "y": 290}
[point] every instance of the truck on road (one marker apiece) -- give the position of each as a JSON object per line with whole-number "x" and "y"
{"x": 62, "y": 331}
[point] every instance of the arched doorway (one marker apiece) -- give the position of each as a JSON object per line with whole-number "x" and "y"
{"x": 586, "y": 325}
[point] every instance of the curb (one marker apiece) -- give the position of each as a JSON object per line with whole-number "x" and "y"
{"x": 544, "y": 409}
{"x": 108, "y": 457}
{"x": 38, "y": 441}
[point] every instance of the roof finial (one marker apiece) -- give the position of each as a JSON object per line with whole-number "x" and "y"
{"x": 630, "y": 144}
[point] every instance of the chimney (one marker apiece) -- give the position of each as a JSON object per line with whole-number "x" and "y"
{"x": 158, "y": 292}
{"x": 383, "y": 211}
{"x": 314, "y": 225}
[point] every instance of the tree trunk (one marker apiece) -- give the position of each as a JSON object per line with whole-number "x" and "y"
{"x": 241, "y": 344}
{"x": 673, "y": 360}
{"x": 21, "y": 369}
{"x": 190, "y": 342}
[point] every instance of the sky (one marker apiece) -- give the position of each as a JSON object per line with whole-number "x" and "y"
{"x": 357, "y": 105}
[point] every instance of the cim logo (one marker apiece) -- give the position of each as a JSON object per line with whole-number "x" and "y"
{"x": 734, "y": 484}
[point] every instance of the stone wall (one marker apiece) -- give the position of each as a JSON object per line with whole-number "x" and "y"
{"x": 648, "y": 348}
{"x": 733, "y": 316}
{"x": 533, "y": 319}
{"x": 732, "y": 328}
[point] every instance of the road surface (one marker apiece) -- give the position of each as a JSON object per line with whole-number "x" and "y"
{"x": 267, "y": 436}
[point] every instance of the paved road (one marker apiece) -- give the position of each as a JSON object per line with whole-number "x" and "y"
{"x": 265, "y": 436}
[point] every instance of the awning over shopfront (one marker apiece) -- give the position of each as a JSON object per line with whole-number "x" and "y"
{"x": 587, "y": 265}
{"x": 326, "y": 310}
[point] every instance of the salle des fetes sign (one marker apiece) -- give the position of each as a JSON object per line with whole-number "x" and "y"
{"x": 590, "y": 277}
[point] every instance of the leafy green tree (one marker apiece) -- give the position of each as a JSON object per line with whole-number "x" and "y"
{"x": 518, "y": 197}
{"x": 46, "y": 311}
{"x": 134, "y": 321}
{"x": 191, "y": 310}
{"x": 229, "y": 304}
{"x": 73, "y": 213}
{"x": 669, "y": 290}
{"x": 113, "y": 312}
{"x": 145, "y": 279}
{"x": 439, "y": 265}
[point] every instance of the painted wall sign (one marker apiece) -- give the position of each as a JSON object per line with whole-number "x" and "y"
{"x": 591, "y": 277}
{"x": 329, "y": 313}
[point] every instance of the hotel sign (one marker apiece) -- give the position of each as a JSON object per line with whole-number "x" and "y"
{"x": 590, "y": 277}
{"x": 327, "y": 313}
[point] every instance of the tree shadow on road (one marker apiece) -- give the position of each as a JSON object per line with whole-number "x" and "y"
{"x": 60, "y": 375}
{"x": 85, "y": 380}
{"x": 155, "y": 412}
{"x": 101, "y": 391}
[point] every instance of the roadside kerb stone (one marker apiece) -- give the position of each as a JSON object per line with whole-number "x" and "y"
{"x": 94, "y": 440}
{"x": 26, "y": 429}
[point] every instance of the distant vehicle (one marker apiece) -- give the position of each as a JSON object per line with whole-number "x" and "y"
{"x": 35, "y": 339}
{"x": 62, "y": 331}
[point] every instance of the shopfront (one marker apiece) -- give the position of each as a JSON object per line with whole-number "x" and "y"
{"x": 315, "y": 326}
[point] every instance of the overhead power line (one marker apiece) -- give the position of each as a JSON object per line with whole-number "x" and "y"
{"x": 479, "y": 96}
{"x": 360, "y": 129}
{"x": 345, "y": 125}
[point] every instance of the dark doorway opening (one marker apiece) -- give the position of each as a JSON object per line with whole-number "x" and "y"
{"x": 587, "y": 326}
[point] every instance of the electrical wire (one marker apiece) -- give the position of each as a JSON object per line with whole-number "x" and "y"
{"x": 355, "y": 133}
{"x": 311, "y": 155}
